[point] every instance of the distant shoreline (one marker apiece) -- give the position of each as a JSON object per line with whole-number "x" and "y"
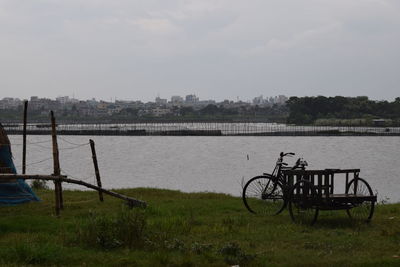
{"x": 201, "y": 129}
{"x": 203, "y": 133}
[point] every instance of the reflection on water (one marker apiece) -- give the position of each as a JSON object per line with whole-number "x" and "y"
{"x": 216, "y": 164}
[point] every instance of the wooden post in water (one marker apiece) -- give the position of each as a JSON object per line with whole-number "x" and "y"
{"x": 24, "y": 138}
{"x": 56, "y": 166}
{"x": 96, "y": 168}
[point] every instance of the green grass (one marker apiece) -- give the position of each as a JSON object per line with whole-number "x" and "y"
{"x": 179, "y": 229}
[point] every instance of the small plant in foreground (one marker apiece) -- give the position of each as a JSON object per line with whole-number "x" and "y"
{"x": 39, "y": 185}
{"x": 383, "y": 201}
{"x": 31, "y": 253}
{"x": 200, "y": 248}
{"x": 233, "y": 254}
{"x": 175, "y": 244}
{"x": 126, "y": 229}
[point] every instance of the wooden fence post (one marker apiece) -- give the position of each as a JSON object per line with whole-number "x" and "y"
{"x": 56, "y": 166}
{"x": 24, "y": 138}
{"x": 96, "y": 168}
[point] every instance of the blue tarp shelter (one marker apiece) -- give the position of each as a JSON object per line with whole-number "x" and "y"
{"x": 16, "y": 191}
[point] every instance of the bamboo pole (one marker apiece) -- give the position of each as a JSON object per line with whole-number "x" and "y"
{"x": 131, "y": 201}
{"x": 96, "y": 168}
{"x": 24, "y": 137}
{"x": 56, "y": 166}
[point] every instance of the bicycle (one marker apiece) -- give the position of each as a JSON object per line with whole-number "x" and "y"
{"x": 268, "y": 193}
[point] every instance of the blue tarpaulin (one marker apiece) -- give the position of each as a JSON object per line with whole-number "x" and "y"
{"x": 17, "y": 191}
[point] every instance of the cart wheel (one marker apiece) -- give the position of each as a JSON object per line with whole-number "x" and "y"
{"x": 302, "y": 203}
{"x": 364, "y": 209}
{"x": 262, "y": 195}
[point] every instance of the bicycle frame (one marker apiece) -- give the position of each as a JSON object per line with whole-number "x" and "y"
{"x": 277, "y": 175}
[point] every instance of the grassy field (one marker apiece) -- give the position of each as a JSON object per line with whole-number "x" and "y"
{"x": 179, "y": 229}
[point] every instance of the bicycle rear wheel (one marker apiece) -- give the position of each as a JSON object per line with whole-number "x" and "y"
{"x": 302, "y": 203}
{"x": 263, "y": 195}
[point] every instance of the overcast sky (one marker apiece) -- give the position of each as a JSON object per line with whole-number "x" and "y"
{"x": 217, "y": 49}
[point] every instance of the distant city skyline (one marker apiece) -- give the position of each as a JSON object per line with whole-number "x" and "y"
{"x": 191, "y": 98}
{"x": 160, "y": 107}
{"x": 113, "y": 99}
{"x": 215, "y": 49}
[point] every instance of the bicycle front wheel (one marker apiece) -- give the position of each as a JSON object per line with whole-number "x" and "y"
{"x": 263, "y": 195}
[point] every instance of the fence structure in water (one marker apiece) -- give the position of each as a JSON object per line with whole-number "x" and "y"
{"x": 203, "y": 129}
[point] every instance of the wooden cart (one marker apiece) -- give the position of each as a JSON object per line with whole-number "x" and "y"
{"x": 309, "y": 191}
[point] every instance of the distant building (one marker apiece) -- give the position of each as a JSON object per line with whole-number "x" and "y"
{"x": 92, "y": 102}
{"x": 206, "y": 102}
{"x": 161, "y": 101}
{"x": 176, "y": 100}
{"x": 10, "y": 103}
{"x": 159, "y": 112}
{"x": 191, "y": 99}
{"x": 44, "y": 104}
{"x": 271, "y": 100}
{"x": 114, "y": 110}
{"x": 259, "y": 100}
{"x": 281, "y": 99}
{"x": 62, "y": 99}
{"x": 102, "y": 105}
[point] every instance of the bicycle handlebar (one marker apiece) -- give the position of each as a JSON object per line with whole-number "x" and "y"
{"x": 300, "y": 163}
{"x": 287, "y": 154}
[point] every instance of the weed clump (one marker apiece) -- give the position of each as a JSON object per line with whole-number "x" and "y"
{"x": 125, "y": 229}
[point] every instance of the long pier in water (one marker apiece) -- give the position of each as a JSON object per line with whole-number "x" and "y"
{"x": 202, "y": 129}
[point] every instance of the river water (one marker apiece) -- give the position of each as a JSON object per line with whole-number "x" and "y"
{"x": 214, "y": 164}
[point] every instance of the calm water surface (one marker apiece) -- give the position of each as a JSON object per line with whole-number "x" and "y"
{"x": 215, "y": 164}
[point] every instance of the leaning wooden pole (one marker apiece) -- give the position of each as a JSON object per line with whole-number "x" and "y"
{"x": 56, "y": 166}
{"x": 24, "y": 138}
{"x": 96, "y": 168}
{"x": 131, "y": 201}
